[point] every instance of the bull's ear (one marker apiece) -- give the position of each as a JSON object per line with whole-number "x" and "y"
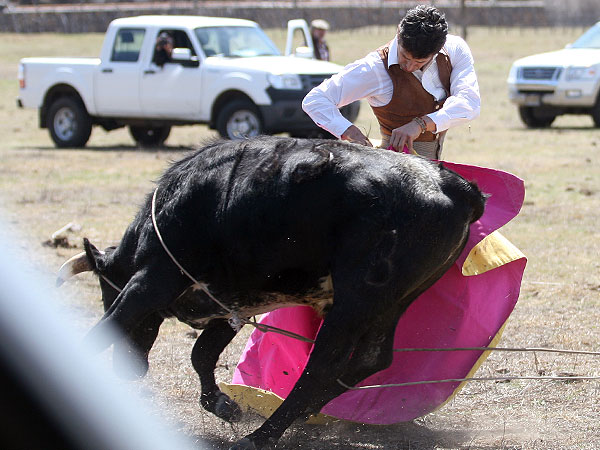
{"x": 94, "y": 256}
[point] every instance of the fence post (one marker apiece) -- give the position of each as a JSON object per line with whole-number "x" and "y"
{"x": 463, "y": 19}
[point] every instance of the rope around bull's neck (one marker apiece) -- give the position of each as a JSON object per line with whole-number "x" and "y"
{"x": 235, "y": 321}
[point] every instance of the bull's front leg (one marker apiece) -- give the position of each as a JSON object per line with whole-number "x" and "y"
{"x": 130, "y": 356}
{"x": 145, "y": 294}
{"x": 213, "y": 340}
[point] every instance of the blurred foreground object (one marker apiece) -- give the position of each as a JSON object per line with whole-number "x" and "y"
{"x": 54, "y": 395}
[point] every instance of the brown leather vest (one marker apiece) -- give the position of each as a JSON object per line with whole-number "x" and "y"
{"x": 410, "y": 99}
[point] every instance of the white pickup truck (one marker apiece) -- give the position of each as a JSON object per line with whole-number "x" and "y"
{"x": 566, "y": 81}
{"x": 223, "y": 72}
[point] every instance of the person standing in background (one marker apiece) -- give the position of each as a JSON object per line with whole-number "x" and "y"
{"x": 318, "y": 29}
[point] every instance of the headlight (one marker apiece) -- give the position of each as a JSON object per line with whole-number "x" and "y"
{"x": 582, "y": 73}
{"x": 512, "y": 74}
{"x": 285, "y": 81}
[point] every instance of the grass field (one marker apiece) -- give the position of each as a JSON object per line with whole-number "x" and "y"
{"x": 100, "y": 188}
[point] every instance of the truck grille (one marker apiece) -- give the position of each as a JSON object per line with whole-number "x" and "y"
{"x": 310, "y": 81}
{"x": 539, "y": 73}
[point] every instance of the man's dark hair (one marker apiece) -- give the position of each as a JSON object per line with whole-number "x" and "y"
{"x": 422, "y": 32}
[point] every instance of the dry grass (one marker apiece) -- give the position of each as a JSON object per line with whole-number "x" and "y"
{"x": 100, "y": 188}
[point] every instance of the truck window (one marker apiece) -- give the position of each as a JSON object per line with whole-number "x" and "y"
{"x": 180, "y": 40}
{"x": 237, "y": 42}
{"x": 128, "y": 44}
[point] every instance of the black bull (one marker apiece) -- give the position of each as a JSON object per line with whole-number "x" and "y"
{"x": 272, "y": 222}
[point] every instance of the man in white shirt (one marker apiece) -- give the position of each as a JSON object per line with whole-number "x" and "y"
{"x": 419, "y": 85}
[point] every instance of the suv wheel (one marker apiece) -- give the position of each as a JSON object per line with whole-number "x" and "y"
{"x": 535, "y": 117}
{"x": 239, "y": 119}
{"x": 69, "y": 123}
{"x": 150, "y": 136}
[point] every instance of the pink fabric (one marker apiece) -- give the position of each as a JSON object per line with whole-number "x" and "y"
{"x": 457, "y": 311}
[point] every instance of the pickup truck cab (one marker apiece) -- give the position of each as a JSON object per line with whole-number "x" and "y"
{"x": 566, "y": 81}
{"x": 223, "y": 72}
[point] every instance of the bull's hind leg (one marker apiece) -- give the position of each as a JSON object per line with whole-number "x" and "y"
{"x": 318, "y": 384}
{"x": 371, "y": 289}
{"x": 213, "y": 340}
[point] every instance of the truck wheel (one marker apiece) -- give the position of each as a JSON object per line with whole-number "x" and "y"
{"x": 150, "y": 136}
{"x": 239, "y": 119}
{"x": 69, "y": 123}
{"x": 535, "y": 117}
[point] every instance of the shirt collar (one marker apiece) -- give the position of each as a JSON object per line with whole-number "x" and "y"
{"x": 393, "y": 54}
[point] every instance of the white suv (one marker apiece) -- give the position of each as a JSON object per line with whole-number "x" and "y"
{"x": 566, "y": 81}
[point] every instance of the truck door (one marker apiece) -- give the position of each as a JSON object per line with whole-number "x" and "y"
{"x": 116, "y": 89}
{"x": 173, "y": 89}
{"x": 299, "y": 42}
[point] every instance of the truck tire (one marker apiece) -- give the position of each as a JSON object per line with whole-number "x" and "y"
{"x": 150, "y": 136}
{"x": 69, "y": 123}
{"x": 239, "y": 119}
{"x": 534, "y": 117}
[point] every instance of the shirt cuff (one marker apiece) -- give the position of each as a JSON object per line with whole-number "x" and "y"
{"x": 338, "y": 126}
{"x": 441, "y": 120}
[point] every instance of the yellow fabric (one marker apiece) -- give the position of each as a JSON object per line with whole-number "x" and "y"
{"x": 263, "y": 402}
{"x": 493, "y": 251}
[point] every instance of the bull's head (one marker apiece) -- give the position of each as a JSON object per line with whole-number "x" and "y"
{"x": 131, "y": 352}
{"x": 94, "y": 260}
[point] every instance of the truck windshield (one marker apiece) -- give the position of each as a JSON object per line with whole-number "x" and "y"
{"x": 589, "y": 39}
{"x": 235, "y": 42}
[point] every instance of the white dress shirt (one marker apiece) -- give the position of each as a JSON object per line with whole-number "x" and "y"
{"x": 368, "y": 79}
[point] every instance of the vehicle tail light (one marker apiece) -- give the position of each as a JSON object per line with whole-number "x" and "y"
{"x": 21, "y": 76}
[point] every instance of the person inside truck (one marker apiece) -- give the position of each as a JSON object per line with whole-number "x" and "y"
{"x": 163, "y": 49}
{"x": 419, "y": 85}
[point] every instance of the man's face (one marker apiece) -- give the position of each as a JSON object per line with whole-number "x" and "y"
{"x": 318, "y": 33}
{"x": 408, "y": 63}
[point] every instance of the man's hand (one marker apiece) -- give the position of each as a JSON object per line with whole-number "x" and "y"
{"x": 353, "y": 134}
{"x": 405, "y": 135}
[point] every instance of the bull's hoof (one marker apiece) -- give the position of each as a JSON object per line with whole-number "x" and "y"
{"x": 222, "y": 406}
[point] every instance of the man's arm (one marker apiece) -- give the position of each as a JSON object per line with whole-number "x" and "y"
{"x": 464, "y": 102}
{"x": 356, "y": 81}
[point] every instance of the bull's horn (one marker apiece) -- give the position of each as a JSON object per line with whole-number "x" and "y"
{"x": 77, "y": 264}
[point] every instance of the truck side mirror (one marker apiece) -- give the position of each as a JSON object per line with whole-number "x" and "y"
{"x": 181, "y": 54}
{"x": 184, "y": 57}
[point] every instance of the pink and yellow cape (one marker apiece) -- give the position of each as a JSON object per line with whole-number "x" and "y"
{"x": 467, "y": 307}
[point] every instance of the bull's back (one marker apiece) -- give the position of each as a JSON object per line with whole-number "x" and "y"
{"x": 268, "y": 205}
